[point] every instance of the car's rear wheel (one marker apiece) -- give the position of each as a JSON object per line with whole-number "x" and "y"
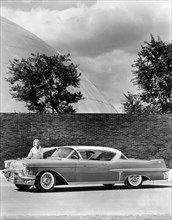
{"x": 45, "y": 182}
{"x": 22, "y": 187}
{"x": 134, "y": 181}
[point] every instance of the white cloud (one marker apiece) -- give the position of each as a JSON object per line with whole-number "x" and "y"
{"x": 104, "y": 37}
{"x": 111, "y": 72}
{"x": 27, "y": 5}
{"x": 91, "y": 31}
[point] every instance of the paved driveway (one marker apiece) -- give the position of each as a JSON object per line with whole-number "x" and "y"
{"x": 153, "y": 198}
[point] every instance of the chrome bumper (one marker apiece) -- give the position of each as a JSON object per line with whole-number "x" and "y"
{"x": 18, "y": 178}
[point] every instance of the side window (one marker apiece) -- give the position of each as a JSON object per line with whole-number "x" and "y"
{"x": 89, "y": 153}
{"x": 86, "y": 154}
{"x": 105, "y": 156}
{"x": 74, "y": 155}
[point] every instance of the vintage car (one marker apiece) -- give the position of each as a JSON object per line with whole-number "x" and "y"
{"x": 83, "y": 165}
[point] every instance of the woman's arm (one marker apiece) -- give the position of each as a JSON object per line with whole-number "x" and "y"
{"x": 29, "y": 155}
{"x": 48, "y": 149}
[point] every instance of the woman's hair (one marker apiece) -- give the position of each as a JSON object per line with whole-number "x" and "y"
{"x": 35, "y": 140}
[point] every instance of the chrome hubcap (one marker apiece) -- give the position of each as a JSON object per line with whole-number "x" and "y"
{"x": 47, "y": 180}
{"x": 134, "y": 180}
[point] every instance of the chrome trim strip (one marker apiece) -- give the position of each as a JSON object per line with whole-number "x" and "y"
{"x": 120, "y": 174}
{"x": 140, "y": 169}
{"x": 26, "y": 177}
{"x": 94, "y": 182}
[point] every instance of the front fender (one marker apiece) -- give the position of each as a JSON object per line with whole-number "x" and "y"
{"x": 60, "y": 180}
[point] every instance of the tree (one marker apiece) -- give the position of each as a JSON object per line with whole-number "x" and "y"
{"x": 44, "y": 82}
{"x": 133, "y": 104}
{"x": 153, "y": 76}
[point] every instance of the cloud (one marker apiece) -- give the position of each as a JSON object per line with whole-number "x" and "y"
{"x": 104, "y": 37}
{"x": 110, "y": 72}
{"x": 28, "y": 5}
{"x": 98, "y": 29}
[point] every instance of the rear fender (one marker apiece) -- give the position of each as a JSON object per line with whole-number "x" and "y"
{"x": 159, "y": 163}
{"x": 124, "y": 175}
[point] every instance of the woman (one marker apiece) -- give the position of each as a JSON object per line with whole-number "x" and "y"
{"x": 37, "y": 151}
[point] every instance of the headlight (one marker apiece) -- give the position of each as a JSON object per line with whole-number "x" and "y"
{"x": 26, "y": 171}
{"x": 7, "y": 164}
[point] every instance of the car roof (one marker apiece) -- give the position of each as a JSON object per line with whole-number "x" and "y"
{"x": 80, "y": 147}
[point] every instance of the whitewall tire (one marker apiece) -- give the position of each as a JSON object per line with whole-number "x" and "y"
{"x": 45, "y": 182}
{"x": 134, "y": 181}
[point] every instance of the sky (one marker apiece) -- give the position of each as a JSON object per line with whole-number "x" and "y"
{"x": 103, "y": 37}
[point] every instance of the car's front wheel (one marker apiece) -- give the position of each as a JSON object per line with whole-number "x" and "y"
{"x": 45, "y": 182}
{"x": 22, "y": 187}
{"x": 134, "y": 181}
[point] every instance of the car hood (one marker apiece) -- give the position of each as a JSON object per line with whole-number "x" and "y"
{"x": 14, "y": 164}
{"x": 18, "y": 164}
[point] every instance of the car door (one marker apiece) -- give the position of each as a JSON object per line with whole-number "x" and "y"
{"x": 96, "y": 168}
{"x": 114, "y": 172}
{"x": 91, "y": 171}
{"x": 67, "y": 169}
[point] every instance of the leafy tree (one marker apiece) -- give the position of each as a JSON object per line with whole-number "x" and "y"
{"x": 153, "y": 75}
{"x": 133, "y": 104}
{"x": 44, "y": 82}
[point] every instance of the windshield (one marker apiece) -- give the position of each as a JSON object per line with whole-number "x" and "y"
{"x": 62, "y": 152}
